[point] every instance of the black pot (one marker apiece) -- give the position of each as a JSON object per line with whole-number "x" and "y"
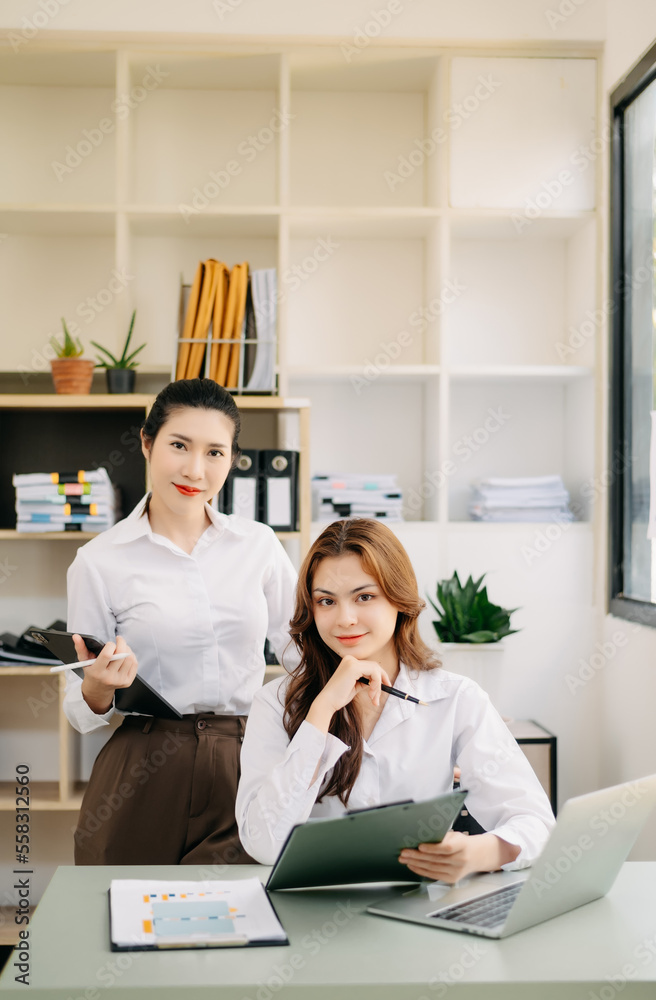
{"x": 120, "y": 379}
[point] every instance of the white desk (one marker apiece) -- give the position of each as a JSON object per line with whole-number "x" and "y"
{"x": 338, "y": 952}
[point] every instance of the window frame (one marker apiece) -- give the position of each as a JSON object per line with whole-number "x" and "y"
{"x": 620, "y": 437}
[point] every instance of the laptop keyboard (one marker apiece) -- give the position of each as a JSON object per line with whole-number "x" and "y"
{"x": 487, "y": 911}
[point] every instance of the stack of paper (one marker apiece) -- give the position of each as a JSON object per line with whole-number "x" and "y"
{"x": 175, "y": 914}
{"x": 530, "y": 498}
{"x": 227, "y": 327}
{"x": 356, "y": 495}
{"x": 65, "y": 501}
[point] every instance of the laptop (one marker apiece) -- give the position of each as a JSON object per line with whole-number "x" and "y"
{"x": 589, "y": 844}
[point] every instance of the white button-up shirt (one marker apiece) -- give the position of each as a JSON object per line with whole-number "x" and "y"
{"x": 410, "y": 754}
{"x": 196, "y": 622}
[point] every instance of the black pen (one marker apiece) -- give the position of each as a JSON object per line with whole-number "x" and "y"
{"x": 397, "y": 694}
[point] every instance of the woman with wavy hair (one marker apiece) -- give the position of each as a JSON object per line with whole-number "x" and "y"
{"x": 322, "y": 738}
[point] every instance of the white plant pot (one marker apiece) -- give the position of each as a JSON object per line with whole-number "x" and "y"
{"x": 482, "y": 662}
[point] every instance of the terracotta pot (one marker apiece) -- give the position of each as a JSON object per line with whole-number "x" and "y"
{"x": 72, "y": 375}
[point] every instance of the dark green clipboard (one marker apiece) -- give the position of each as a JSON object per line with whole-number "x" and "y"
{"x": 364, "y": 845}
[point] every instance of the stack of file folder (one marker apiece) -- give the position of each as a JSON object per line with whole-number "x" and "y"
{"x": 529, "y": 498}
{"x": 227, "y": 327}
{"x": 65, "y": 501}
{"x": 356, "y": 495}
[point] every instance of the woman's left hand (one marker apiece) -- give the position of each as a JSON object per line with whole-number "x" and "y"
{"x": 459, "y": 855}
{"x": 448, "y": 861}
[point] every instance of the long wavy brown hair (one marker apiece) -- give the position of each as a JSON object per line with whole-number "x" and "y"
{"x": 384, "y": 558}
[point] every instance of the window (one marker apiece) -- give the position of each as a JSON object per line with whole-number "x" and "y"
{"x": 633, "y": 365}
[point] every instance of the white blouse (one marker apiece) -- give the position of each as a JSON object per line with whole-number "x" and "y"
{"x": 196, "y": 622}
{"x": 411, "y": 753}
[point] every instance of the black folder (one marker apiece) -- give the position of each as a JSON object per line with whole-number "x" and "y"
{"x": 279, "y": 489}
{"x": 240, "y": 491}
{"x": 140, "y": 698}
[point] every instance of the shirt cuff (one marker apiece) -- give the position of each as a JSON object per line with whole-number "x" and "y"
{"x": 80, "y": 715}
{"x": 525, "y": 857}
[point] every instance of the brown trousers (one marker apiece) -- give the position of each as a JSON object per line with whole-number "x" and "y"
{"x": 163, "y": 793}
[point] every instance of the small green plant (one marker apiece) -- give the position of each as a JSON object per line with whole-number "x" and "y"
{"x": 126, "y": 360}
{"x": 70, "y": 348}
{"x": 467, "y": 615}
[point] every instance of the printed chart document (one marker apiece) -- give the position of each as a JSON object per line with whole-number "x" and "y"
{"x": 151, "y": 914}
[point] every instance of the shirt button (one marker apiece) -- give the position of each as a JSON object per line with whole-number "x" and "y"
{"x": 201, "y": 724}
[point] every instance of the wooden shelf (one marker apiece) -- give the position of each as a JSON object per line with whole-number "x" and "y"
{"x": 10, "y": 534}
{"x": 25, "y": 671}
{"x": 9, "y": 929}
{"x": 44, "y": 795}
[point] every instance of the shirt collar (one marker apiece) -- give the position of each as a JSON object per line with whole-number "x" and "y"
{"x": 427, "y": 685}
{"x": 136, "y": 524}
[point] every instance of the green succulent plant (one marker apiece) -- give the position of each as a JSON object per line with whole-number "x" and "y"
{"x": 467, "y": 615}
{"x": 126, "y": 360}
{"x": 70, "y": 348}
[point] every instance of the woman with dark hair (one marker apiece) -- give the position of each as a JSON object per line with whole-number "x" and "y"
{"x": 320, "y": 740}
{"x": 191, "y": 595}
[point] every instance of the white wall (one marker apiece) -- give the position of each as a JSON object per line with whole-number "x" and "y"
{"x": 627, "y": 676}
{"x": 524, "y": 20}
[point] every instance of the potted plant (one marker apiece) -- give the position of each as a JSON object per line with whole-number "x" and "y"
{"x": 120, "y": 372}
{"x": 470, "y": 629}
{"x": 71, "y": 373}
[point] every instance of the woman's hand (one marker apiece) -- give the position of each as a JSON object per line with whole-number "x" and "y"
{"x": 459, "y": 855}
{"x": 343, "y": 687}
{"x": 104, "y": 676}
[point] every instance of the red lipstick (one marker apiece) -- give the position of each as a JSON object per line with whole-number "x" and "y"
{"x": 187, "y": 491}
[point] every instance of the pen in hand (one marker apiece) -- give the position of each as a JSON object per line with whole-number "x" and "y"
{"x": 84, "y": 663}
{"x": 391, "y": 690}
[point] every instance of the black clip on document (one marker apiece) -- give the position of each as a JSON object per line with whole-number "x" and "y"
{"x": 139, "y": 699}
{"x": 363, "y": 846}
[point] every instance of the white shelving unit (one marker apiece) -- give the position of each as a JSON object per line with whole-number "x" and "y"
{"x": 433, "y": 262}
